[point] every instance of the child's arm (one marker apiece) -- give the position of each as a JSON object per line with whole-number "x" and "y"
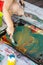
{"x": 7, "y": 17}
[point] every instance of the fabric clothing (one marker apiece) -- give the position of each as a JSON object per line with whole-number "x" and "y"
{"x": 1, "y": 5}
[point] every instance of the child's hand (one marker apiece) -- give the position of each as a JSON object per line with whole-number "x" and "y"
{"x": 10, "y": 30}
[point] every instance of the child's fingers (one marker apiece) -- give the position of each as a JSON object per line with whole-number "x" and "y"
{"x": 10, "y": 30}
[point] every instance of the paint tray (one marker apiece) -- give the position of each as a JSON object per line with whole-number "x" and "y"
{"x": 29, "y": 43}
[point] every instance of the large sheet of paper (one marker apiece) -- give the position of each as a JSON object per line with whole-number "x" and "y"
{"x": 5, "y": 50}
